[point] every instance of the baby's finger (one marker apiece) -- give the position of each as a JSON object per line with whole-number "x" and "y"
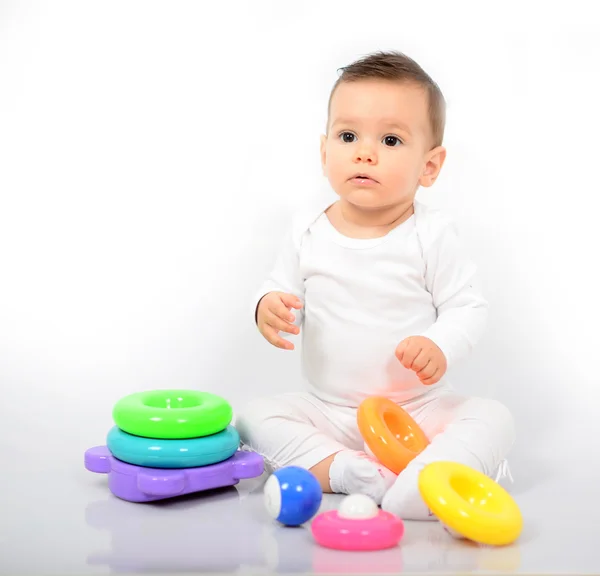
{"x": 433, "y": 379}
{"x": 409, "y": 355}
{"x": 273, "y": 337}
{"x": 291, "y": 301}
{"x": 278, "y": 308}
{"x": 427, "y": 371}
{"x": 420, "y": 361}
{"x": 282, "y": 325}
{"x": 400, "y": 349}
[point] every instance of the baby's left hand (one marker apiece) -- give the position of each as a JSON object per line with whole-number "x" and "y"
{"x": 424, "y": 357}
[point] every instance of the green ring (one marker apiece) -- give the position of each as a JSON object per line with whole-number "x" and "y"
{"x": 174, "y": 414}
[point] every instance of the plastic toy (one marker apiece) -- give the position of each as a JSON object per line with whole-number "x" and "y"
{"x": 141, "y": 484}
{"x": 172, "y": 453}
{"x": 391, "y": 435}
{"x": 174, "y": 414}
{"x": 470, "y": 503}
{"x": 292, "y": 495}
{"x": 357, "y": 525}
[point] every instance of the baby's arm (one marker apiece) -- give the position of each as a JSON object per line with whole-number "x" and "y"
{"x": 451, "y": 278}
{"x": 282, "y": 291}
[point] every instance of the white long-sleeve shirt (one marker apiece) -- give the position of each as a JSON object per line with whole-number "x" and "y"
{"x": 362, "y": 297}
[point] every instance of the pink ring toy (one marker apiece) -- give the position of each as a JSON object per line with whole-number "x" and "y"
{"x": 334, "y": 531}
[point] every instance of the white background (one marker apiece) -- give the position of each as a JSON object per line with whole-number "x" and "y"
{"x": 151, "y": 154}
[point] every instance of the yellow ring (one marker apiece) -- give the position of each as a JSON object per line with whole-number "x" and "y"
{"x": 471, "y": 503}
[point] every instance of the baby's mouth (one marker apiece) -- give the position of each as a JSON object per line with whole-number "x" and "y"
{"x": 362, "y": 178}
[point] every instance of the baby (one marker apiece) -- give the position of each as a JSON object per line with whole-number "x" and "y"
{"x": 385, "y": 295}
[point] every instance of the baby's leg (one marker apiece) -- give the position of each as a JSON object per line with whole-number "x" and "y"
{"x": 477, "y": 432}
{"x": 301, "y": 430}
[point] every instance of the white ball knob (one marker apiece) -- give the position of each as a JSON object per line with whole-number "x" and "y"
{"x": 358, "y": 507}
{"x": 272, "y": 496}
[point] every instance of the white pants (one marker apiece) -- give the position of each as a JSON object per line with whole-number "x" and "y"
{"x": 300, "y": 429}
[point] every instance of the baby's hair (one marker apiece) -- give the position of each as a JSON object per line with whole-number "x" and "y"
{"x": 397, "y": 67}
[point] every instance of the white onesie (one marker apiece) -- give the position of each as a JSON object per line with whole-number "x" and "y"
{"x": 362, "y": 297}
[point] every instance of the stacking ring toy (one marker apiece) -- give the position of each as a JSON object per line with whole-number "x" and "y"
{"x": 391, "y": 434}
{"x": 470, "y": 503}
{"x": 172, "y": 414}
{"x": 169, "y": 453}
{"x": 141, "y": 484}
{"x": 358, "y": 525}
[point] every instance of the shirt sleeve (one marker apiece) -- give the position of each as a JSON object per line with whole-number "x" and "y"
{"x": 451, "y": 278}
{"x": 285, "y": 275}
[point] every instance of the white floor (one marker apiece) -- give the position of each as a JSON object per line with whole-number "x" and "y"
{"x": 69, "y": 523}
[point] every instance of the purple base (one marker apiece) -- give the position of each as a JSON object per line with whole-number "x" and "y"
{"x": 140, "y": 484}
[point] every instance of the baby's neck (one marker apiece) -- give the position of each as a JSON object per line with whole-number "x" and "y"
{"x": 356, "y": 222}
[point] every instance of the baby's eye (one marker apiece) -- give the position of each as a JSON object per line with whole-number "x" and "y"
{"x": 392, "y": 141}
{"x": 347, "y": 137}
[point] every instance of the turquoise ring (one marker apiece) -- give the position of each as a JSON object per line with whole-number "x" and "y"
{"x": 170, "y": 453}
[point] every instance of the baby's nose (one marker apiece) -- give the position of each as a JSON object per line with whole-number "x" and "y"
{"x": 366, "y": 154}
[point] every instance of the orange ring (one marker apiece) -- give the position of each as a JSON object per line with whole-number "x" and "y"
{"x": 390, "y": 433}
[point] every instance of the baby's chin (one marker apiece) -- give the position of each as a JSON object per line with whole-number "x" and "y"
{"x": 368, "y": 200}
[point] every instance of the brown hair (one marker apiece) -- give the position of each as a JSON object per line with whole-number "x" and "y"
{"x": 397, "y": 67}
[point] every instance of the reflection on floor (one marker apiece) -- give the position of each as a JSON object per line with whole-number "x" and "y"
{"x": 229, "y": 531}
{"x": 76, "y": 526}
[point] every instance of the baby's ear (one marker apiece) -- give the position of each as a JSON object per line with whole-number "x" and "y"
{"x": 323, "y": 154}
{"x": 433, "y": 165}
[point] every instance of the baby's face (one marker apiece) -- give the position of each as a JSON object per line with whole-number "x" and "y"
{"x": 381, "y": 130}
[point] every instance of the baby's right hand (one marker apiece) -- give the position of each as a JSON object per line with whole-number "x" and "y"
{"x": 273, "y": 315}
